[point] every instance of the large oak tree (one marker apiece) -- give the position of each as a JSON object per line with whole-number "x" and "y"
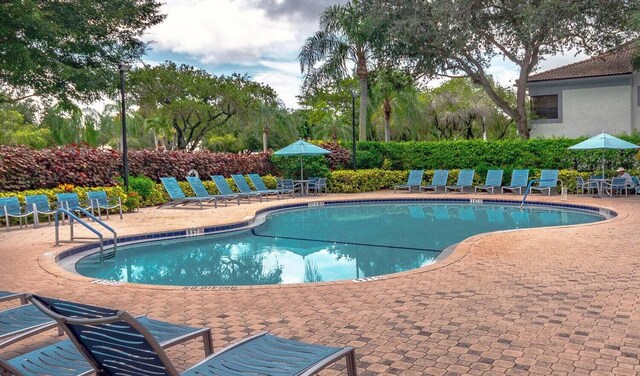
{"x": 463, "y": 36}
{"x": 193, "y": 101}
{"x": 69, "y": 49}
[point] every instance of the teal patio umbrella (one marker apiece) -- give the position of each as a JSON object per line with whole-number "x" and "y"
{"x": 301, "y": 148}
{"x": 603, "y": 141}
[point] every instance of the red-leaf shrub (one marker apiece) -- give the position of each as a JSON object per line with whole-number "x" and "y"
{"x": 155, "y": 164}
{"x": 24, "y": 168}
{"x": 339, "y": 158}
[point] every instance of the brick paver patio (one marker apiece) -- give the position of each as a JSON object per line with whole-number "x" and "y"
{"x": 554, "y": 301}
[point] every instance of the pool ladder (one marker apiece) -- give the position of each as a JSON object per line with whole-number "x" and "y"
{"x": 528, "y": 189}
{"x": 73, "y": 217}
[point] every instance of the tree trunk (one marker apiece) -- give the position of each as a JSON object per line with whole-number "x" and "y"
{"x": 521, "y": 105}
{"x": 387, "y": 119}
{"x": 265, "y": 138}
{"x": 364, "y": 97}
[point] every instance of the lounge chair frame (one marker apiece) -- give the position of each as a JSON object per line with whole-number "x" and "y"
{"x": 76, "y": 329}
{"x": 99, "y": 201}
{"x": 548, "y": 180}
{"x": 465, "y": 180}
{"x": 493, "y": 181}
{"x": 439, "y": 180}
{"x": 68, "y": 358}
{"x": 258, "y": 183}
{"x": 201, "y": 191}
{"x": 244, "y": 187}
{"x": 42, "y": 206}
{"x": 23, "y": 321}
{"x": 11, "y": 208}
{"x": 519, "y": 180}
{"x": 414, "y": 181}
{"x": 177, "y": 196}
{"x": 224, "y": 188}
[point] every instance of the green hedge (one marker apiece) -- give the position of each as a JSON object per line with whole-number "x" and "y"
{"x": 485, "y": 155}
{"x": 347, "y": 181}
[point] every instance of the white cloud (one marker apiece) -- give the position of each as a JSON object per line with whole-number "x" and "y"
{"x": 286, "y": 85}
{"x": 216, "y": 32}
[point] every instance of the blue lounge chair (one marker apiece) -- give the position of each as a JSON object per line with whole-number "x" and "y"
{"x": 71, "y": 202}
{"x": 414, "y": 181}
{"x": 99, "y": 201}
{"x": 64, "y": 358}
{"x": 257, "y": 182}
{"x": 42, "y": 206}
{"x": 22, "y": 321}
{"x": 494, "y": 180}
{"x": 439, "y": 181}
{"x": 10, "y": 207}
{"x": 244, "y": 187}
{"x": 519, "y": 180}
{"x": 7, "y": 295}
{"x": 225, "y": 189}
{"x": 177, "y": 196}
{"x": 548, "y": 180}
{"x": 465, "y": 180}
{"x": 201, "y": 191}
{"x": 98, "y": 336}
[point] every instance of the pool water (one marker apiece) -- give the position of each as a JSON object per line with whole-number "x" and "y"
{"x": 328, "y": 243}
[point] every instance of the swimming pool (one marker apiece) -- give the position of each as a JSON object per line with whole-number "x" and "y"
{"x": 321, "y": 243}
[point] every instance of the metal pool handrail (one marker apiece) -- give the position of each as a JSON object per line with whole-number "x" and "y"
{"x": 73, "y": 217}
{"x": 528, "y": 189}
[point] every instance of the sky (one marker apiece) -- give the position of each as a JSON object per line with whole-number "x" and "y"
{"x": 261, "y": 38}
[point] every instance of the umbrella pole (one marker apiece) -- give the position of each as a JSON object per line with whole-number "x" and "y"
{"x": 301, "y": 177}
{"x": 603, "y": 164}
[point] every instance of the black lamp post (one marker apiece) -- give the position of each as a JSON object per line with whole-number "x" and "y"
{"x": 122, "y": 67}
{"x": 353, "y": 127}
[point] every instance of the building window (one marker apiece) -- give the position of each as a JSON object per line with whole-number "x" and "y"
{"x": 545, "y": 106}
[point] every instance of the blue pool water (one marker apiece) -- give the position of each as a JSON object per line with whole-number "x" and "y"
{"x": 320, "y": 244}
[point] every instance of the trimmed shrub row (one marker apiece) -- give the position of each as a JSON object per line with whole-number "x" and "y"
{"x": 485, "y": 155}
{"x": 23, "y": 168}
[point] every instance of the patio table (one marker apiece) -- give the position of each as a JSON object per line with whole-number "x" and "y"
{"x": 600, "y": 184}
{"x": 304, "y": 186}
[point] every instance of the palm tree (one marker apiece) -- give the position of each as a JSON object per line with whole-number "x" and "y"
{"x": 393, "y": 92}
{"x": 343, "y": 39}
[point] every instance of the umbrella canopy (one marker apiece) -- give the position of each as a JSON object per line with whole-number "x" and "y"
{"x": 301, "y": 148}
{"x": 603, "y": 141}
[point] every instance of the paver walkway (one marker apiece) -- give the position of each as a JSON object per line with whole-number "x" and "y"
{"x": 561, "y": 301}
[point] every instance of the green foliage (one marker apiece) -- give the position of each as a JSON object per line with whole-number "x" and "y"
{"x": 463, "y": 37}
{"x": 15, "y": 131}
{"x": 143, "y": 186}
{"x": 484, "y": 155}
{"x": 70, "y": 49}
{"x": 289, "y": 167}
{"x": 348, "y": 181}
{"x": 193, "y": 101}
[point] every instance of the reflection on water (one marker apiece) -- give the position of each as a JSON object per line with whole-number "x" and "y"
{"x": 320, "y": 244}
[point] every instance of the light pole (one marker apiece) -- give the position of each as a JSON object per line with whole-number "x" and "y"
{"x": 353, "y": 127}
{"x": 123, "y": 67}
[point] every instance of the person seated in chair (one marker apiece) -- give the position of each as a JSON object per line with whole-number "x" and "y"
{"x": 622, "y": 173}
